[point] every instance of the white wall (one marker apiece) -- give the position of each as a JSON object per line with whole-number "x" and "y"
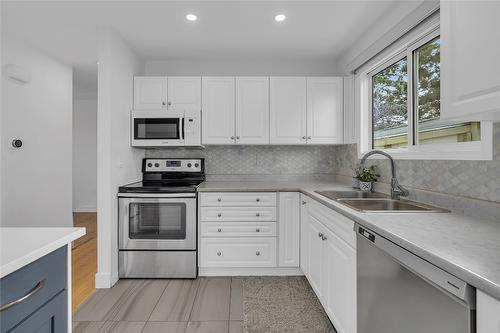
{"x": 85, "y": 155}
{"x": 117, "y": 162}
{"x": 240, "y": 67}
{"x": 36, "y": 179}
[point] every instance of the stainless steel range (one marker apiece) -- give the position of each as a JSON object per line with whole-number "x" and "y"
{"x": 157, "y": 220}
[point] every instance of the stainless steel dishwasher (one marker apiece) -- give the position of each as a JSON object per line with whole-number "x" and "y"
{"x": 399, "y": 292}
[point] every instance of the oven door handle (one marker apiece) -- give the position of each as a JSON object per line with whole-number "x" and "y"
{"x": 183, "y": 128}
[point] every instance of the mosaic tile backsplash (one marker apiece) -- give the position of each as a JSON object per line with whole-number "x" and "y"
{"x": 259, "y": 160}
{"x": 474, "y": 179}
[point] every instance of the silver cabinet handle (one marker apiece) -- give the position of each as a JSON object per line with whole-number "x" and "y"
{"x": 320, "y": 234}
{"x": 219, "y": 215}
{"x": 32, "y": 292}
{"x": 169, "y": 103}
{"x": 232, "y": 138}
{"x": 258, "y": 200}
{"x": 163, "y": 103}
{"x": 257, "y": 230}
{"x": 303, "y": 138}
{"x": 309, "y": 137}
{"x": 257, "y": 253}
{"x": 219, "y": 253}
{"x": 323, "y": 238}
{"x": 219, "y": 199}
{"x": 257, "y": 214}
{"x": 237, "y": 137}
{"x": 219, "y": 230}
{"x": 304, "y": 202}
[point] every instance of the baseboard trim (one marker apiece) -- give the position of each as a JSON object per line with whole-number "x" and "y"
{"x": 103, "y": 280}
{"x": 250, "y": 271}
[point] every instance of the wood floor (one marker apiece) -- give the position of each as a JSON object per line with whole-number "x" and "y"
{"x": 84, "y": 259}
{"x": 202, "y": 305}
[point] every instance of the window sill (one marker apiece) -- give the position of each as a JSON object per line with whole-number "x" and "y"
{"x": 481, "y": 151}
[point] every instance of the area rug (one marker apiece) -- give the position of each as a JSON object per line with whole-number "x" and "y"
{"x": 282, "y": 304}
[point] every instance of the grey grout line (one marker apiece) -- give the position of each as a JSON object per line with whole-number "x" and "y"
{"x": 158, "y": 301}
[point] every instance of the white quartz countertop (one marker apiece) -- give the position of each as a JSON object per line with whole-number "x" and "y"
{"x": 21, "y": 246}
{"x": 466, "y": 247}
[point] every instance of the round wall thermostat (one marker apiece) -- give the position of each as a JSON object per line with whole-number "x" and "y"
{"x": 17, "y": 143}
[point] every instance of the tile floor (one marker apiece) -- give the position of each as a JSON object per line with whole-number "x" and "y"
{"x": 201, "y": 305}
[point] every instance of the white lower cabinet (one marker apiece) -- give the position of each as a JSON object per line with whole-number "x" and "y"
{"x": 488, "y": 313}
{"x": 237, "y": 230}
{"x": 289, "y": 229}
{"x": 238, "y": 252}
{"x": 329, "y": 263}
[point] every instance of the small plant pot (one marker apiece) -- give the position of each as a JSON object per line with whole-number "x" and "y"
{"x": 355, "y": 182}
{"x": 365, "y": 186}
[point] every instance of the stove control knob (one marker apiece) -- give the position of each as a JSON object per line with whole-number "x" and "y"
{"x": 196, "y": 165}
{"x": 150, "y": 165}
{"x": 157, "y": 165}
{"x": 189, "y": 165}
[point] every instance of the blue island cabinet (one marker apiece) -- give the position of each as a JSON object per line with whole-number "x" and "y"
{"x": 34, "y": 298}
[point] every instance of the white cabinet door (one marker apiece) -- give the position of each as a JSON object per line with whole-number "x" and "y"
{"x": 314, "y": 230}
{"x": 488, "y": 313}
{"x": 289, "y": 229}
{"x": 339, "y": 282}
{"x": 304, "y": 244}
{"x": 252, "y": 110}
{"x": 218, "y": 110}
{"x": 325, "y": 119}
{"x": 184, "y": 93}
{"x": 150, "y": 92}
{"x": 287, "y": 110}
{"x": 470, "y": 53}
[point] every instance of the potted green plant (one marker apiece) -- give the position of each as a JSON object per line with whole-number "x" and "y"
{"x": 367, "y": 177}
{"x": 356, "y": 172}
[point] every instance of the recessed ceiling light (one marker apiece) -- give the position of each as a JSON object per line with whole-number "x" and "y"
{"x": 191, "y": 17}
{"x": 280, "y": 17}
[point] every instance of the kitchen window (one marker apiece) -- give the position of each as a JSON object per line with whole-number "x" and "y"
{"x": 402, "y": 107}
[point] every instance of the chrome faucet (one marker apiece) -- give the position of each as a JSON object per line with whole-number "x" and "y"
{"x": 396, "y": 189}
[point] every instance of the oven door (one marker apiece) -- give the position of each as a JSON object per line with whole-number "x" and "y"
{"x": 155, "y": 128}
{"x": 157, "y": 223}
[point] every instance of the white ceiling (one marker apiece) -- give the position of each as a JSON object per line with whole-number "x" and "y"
{"x": 225, "y": 30}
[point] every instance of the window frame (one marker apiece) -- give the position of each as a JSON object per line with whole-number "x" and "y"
{"x": 473, "y": 150}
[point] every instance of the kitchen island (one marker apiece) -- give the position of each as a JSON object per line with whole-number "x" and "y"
{"x": 35, "y": 273}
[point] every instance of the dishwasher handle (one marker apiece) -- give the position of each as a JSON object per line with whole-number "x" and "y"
{"x": 442, "y": 280}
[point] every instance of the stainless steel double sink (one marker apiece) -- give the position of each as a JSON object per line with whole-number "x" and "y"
{"x": 374, "y": 202}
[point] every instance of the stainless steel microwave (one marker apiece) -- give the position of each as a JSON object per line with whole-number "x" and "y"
{"x": 156, "y": 128}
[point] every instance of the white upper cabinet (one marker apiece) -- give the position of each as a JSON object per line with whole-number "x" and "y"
{"x": 184, "y": 92}
{"x": 252, "y": 110}
{"x": 218, "y": 110}
{"x": 351, "y": 118}
{"x": 288, "y": 110}
{"x": 325, "y": 110}
{"x": 169, "y": 93}
{"x": 470, "y": 55}
{"x": 150, "y": 92}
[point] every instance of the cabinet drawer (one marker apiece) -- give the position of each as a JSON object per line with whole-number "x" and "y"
{"x": 257, "y": 199}
{"x": 234, "y": 214}
{"x": 238, "y": 229}
{"x": 238, "y": 252}
{"x": 44, "y": 278}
